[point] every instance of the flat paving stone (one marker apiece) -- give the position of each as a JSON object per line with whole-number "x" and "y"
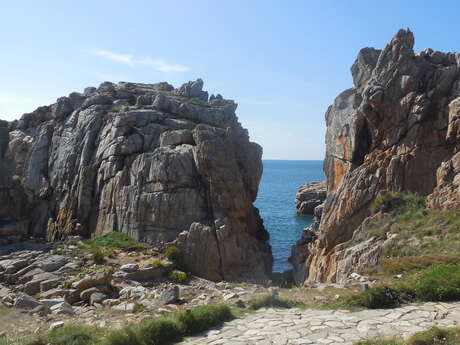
{"x": 329, "y": 327}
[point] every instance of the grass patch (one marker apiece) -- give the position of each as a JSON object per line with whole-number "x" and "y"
{"x": 98, "y": 256}
{"x": 433, "y": 336}
{"x": 114, "y": 240}
{"x": 397, "y": 203}
{"x": 174, "y": 255}
{"x": 270, "y": 301}
{"x": 203, "y": 317}
{"x": 76, "y": 334}
{"x": 166, "y": 329}
{"x": 415, "y": 263}
{"x": 424, "y": 237}
{"x": 433, "y": 284}
{"x": 157, "y": 263}
{"x": 156, "y": 331}
{"x": 438, "y": 283}
{"x": 375, "y": 298}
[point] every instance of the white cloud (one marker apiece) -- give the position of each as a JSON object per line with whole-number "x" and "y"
{"x": 128, "y": 59}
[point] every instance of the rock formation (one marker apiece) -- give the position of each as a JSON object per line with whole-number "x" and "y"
{"x": 158, "y": 163}
{"x": 396, "y": 130}
{"x": 309, "y": 196}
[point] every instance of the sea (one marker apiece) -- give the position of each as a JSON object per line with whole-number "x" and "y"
{"x": 275, "y": 201}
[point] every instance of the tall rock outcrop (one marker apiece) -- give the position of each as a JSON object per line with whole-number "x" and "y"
{"x": 157, "y": 163}
{"x": 395, "y": 130}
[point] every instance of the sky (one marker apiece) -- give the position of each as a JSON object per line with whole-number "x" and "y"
{"x": 283, "y": 62}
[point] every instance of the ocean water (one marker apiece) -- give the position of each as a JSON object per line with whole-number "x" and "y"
{"x": 275, "y": 201}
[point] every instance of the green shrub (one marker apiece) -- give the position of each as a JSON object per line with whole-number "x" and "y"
{"x": 74, "y": 335}
{"x": 125, "y": 336}
{"x": 98, "y": 256}
{"x": 270, "y": 301}
{"x": 177, "y": 276}
{"x": 132, "y": 100}
{"x": 203, "y": 317}
{"x": 397, "y": 203}
{"x": 438, "y": 283}
{"x": 16, "y": 178}
{"x": 158, "y": 331}
{"x": 174, "y": 254}
{"x": 436, "y": 336}
{"x": 157, "y": 263}
{"x": 375, "y": 298}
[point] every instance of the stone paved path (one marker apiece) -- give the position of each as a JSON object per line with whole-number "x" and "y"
{"x": 329, "y": 327}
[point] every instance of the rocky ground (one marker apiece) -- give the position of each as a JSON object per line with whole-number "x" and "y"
{"x": 46, "y": 285}
{"x": 329, "y": 327}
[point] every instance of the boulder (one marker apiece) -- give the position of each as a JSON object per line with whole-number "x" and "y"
{"x": 129, "y": 268}
{"x": 98, "y": 278}
{"x": 309, "y": 196}
{"x": 170, "y": 295}
{"x": 193, "y": 89}
{"x": 62, "y": 308}
{"x": 85, "y": 295}
{"x": 144, "y": 274}
{"x": 26, "y": 302}
{"x": 49, "y": 302}
{"x": 33, "y": 286}
{"x": 97, "y": 298}
{"x": 11, "y": 266}
{"x": 177, "y": 137}
{"x": 52, "y": 263}
{"x": 49, "y": 284}
{"x": 56, "y": 325}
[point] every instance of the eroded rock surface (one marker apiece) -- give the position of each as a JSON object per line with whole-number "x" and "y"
{"x": 395, "y": 130}
{"x": 144, "y": 159}
{"x": 309, "y": 196}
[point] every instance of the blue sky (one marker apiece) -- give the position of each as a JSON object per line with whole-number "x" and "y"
{"x": 282, "y": 61}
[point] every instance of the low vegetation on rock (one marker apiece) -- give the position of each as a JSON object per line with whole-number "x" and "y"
{"x": 433, "y": 284}
{"x": 177, "y": 276}
{"x": 433, "y": 336}
{"x": 270, "y": 301}
{"x": 115, "y": 240}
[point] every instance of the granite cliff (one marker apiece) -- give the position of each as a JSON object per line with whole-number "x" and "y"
{"x": 396, "y": 130}
{"x": 163, "y": 165}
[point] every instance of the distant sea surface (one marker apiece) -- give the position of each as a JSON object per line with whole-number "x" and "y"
{"x": 275, "y": 201}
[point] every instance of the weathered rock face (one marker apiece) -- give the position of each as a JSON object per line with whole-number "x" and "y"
{"x": 144, "y": 159}
{"x": 309, "y": 196}
{"x": 391, "y": 132}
